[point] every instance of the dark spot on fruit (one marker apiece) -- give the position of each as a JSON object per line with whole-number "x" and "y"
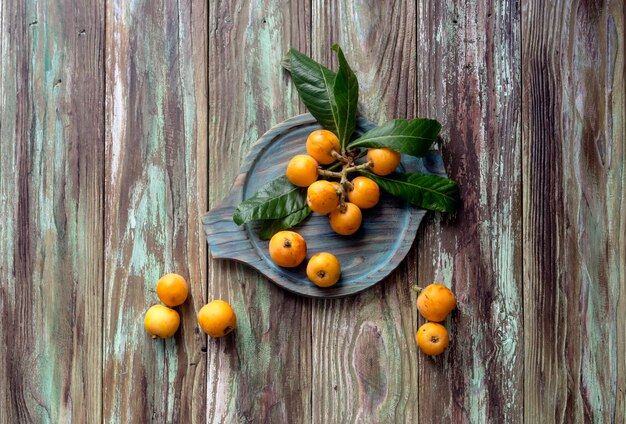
{"x": 287, "y": 243}
{"x": 321, "y": 274}
{"x": 434, "y": 339}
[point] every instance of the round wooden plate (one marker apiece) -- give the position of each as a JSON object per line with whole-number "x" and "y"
{"x": 366, "y": 257}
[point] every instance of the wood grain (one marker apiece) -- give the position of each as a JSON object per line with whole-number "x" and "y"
{"x": 121, "y": 122}
{"x": 51, "y": 182}
{"x": 156, "y": 109}
{"x": 263, "y": 372}
{"x": 574, "y": 181}
{"x": 364, "y": 353}
{"x": 469, "y": 79}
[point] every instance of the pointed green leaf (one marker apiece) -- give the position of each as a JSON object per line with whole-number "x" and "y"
{"x": 277, "y": 199}
{"x": 410, "y": 136}
{"x": 272, "y": 226}
{"x": 430, "y": 192}
{"x": 314, "y": 83}
{"x": 346, "y": 93}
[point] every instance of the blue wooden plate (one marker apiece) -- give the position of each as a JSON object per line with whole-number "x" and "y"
{"x": 366, "y": 257}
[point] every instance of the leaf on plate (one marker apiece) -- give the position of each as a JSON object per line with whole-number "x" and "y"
{"x": 272, "y": 226}
{"x": 314, "y": 83}
{"x": 430, "y": 192}
{"x": 277, "y": 199}
{"x": 346, "y": 94}
{"x": 410, "y": 136}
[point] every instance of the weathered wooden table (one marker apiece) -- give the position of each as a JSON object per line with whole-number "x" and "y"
{"x": 122, "y": 122}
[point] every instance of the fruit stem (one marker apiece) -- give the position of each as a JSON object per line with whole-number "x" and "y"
{"x": 342, "y": 201}
{"x": 344, "y": 187}
{"x": 347, "y": 166}
{"x": 417, "y": 288}
{"x": 327, "y": 173}
{"x": 344, "y": 177}
{"x": 363, "y": 166}
{"x": 339, "y": 157}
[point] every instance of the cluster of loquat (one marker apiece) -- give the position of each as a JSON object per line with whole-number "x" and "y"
{"x": 329, "y": 197}
{"x": 341, "y": 200}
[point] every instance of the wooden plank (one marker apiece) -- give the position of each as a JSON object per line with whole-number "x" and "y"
{"x": 469, "y": 78}
{"x": 574, "y": 180}
{"x": 51, "y": 182}
{"x": 364, "y": 353}
{"x": 262, "y": 372}
{"x": 156, "y": 145}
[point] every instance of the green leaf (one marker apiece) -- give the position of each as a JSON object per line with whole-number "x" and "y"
{"x": 272, "y": 226}
{"x": 314, "y": 83}
{"x": 430, "y": 192}
{"x": 277, "y": 199}
{"x": 346, "y": 93}
{"x": 410, "y": 136}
